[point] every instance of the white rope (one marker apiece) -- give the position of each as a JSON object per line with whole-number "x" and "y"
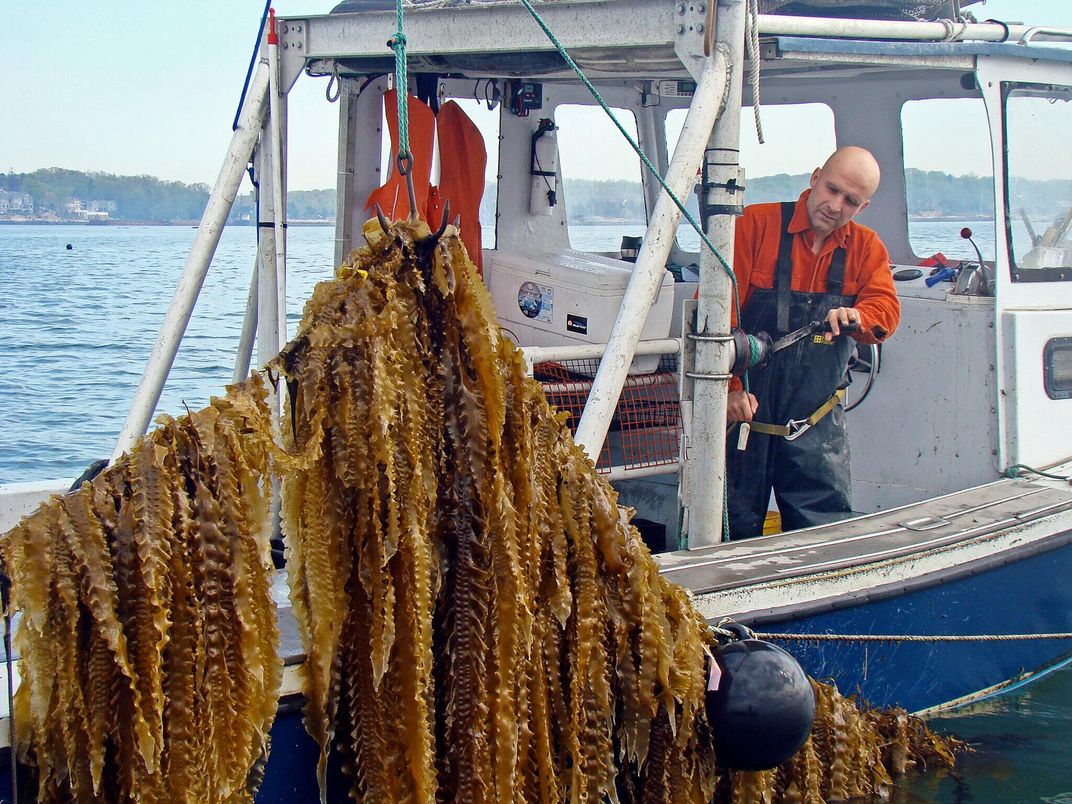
{"x": 911, "y": 637}
{"x": 751, "y": 41}
{"x": 728, "y": 629}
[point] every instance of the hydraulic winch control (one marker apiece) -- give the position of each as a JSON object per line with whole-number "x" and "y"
{"x": 754, "y": 351}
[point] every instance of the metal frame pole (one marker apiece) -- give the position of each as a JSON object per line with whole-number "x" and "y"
{"x": 706, "y": 471}
{"x": 647, "y": 276}
{"x": 942, "y": 31}
{"x": 220, "y": 201}
{"x": 244, "y": 355}
{"x": 277, "y": 110}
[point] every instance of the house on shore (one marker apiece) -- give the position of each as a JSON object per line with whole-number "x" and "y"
{"x": 12, "y": 203}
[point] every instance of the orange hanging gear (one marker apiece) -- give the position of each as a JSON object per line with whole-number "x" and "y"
{"x": 392, "y": 196}
{"x": 462, "y": 160}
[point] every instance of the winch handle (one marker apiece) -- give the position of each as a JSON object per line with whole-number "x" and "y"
{"x": 846, "y": 329}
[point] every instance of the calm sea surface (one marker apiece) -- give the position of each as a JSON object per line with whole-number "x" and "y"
{"x": 77, "y": 327}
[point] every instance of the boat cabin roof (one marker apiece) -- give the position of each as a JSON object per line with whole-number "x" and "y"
{"x": 621, "y": 38}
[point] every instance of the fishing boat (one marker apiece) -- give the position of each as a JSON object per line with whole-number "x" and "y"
{"x": 949, "y": 583}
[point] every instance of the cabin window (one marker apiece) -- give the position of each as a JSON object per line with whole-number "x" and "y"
{"x": 1038, "y": 181}
{"x": 1057, "y": 368}
{"x": 949, "y": 177}
{"x": 777, "y": 170}
{"x": 601, "y": 178}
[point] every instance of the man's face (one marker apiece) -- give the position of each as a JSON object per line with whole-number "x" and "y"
{"x": 838, "y": 193}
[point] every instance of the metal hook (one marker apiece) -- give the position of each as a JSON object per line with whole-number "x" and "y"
{"x": 405, "y": 167}
{"x": 383, "y": 220}
{"x": 438, "y": 233}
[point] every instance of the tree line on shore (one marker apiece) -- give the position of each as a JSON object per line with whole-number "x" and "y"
{"x": 147, "y": 198}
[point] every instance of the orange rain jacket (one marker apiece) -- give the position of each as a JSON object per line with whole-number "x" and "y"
{"x": 461, "y": 171}
{"x": 867, "y": 266}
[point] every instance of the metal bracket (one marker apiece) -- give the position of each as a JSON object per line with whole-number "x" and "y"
{"x": 696, "y": 375}
{"x": 709, "y": 338}
{"x": 293, "y": 47}
{"x": 690, "y": 25}
{"x": 293, "y": 35}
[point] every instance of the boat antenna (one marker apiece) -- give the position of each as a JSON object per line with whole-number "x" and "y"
{"x": 252, "y": 63}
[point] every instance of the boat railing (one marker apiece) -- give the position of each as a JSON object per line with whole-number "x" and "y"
{"x": 646, "y": 434}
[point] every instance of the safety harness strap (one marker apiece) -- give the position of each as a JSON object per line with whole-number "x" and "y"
{"x": 797, "y": 427}
{"x": 783, "y": 272}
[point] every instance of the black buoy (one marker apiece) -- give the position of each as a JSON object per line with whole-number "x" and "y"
{"x": 760, "y": 705}
{"x": 70, "y": 247}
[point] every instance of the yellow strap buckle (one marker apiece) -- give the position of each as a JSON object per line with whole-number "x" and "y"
{"x": 795, "y": 428}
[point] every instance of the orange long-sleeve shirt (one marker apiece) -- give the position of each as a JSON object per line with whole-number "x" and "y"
{"x": 867, "y": 265}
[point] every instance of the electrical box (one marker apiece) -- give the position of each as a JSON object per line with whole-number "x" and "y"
{"x": 569, "y": 297}
{"x": 675, "y": 89}
{"x": 524, "y": 97}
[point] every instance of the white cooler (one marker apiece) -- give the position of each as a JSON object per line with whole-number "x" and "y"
{"x": 569, "y": 297}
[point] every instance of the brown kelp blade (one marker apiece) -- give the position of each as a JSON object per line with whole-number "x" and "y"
{"x": 148, "y": 636}
{"x": 481, "y": 621}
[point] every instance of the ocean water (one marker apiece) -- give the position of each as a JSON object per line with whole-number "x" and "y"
{"x": 76, "y": 328}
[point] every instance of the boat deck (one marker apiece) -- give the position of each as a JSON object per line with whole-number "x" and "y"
{"x": 896, "y": 533}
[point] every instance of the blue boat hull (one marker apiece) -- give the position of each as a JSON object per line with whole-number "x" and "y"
{"x": 1029, "y": 595}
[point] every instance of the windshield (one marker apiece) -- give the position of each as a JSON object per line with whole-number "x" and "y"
{"x": 1038, "y": 181}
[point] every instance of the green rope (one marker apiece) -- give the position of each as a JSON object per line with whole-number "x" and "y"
{"x": 688, "y": 216}
{"x": 640, "y": 152}
{"x": 1015, "y": 469}
{"x": 754, "y": 353}
{"x": 397, "y": 43}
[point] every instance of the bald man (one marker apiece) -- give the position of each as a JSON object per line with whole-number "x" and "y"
{"x": 796, "y": 263}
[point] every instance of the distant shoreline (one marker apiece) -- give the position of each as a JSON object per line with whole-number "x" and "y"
{"x": 121, "y": 222}
{"x": 580, "y": 222}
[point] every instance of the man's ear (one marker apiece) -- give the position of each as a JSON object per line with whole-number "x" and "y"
{"x": 814, "y": 178}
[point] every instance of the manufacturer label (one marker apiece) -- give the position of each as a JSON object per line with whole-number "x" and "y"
{"x": 577, "y": 323}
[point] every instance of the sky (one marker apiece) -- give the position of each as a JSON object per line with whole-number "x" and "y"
{"x": 135, "y": 88}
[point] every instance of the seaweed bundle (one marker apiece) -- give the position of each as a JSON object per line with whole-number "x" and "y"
{"x": 148, "y": 635}
{"x": 481, "y": 622}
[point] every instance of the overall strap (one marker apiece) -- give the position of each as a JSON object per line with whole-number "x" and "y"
{"x": 783, "y": 280}
{"x": 835, "y": 278}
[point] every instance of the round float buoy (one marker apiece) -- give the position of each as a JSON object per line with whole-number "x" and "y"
{"x": 759, "y": 703}
{"x": 70, "y": 247}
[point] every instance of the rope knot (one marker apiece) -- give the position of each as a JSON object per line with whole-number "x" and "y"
{"x": 397, "y": 41}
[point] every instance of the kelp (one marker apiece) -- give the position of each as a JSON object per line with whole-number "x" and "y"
{"x": 148, "y": 636}
{"x": 481, "y": 621}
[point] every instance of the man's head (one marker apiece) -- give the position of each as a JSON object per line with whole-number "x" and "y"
{"x": 841, "y": 188}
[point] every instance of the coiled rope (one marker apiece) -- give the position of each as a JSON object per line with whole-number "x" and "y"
{"x": 1016, "y": 469}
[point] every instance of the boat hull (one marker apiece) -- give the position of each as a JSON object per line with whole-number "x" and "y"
{"x": 1026, "y": 596}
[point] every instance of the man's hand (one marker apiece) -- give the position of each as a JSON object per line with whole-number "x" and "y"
{"x": 740, "y": 406}
{"x": 839, "y": 316}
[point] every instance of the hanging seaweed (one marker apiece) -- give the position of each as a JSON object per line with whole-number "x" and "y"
{"x": 480, "y": 620}
{"x": 148, "y": 636}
